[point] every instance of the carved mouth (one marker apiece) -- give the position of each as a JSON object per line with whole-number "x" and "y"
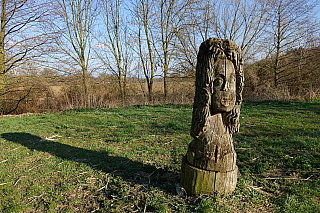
{"x": 226, "y": 101}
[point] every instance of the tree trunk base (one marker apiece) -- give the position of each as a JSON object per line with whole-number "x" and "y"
{"x": 197, "y": 181}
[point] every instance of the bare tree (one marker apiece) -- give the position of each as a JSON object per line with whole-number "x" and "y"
{"x": 195, "y": 28}
{"x": 74, "y": 25}
{"x": 20, "y": 41}
{"x": 170, "y": 18}
{"x": 242, "y": 21}
{"x": 289, "y": 25}
{"x": 144, "y": 13}
{"x": 115, "y": 50}
{"x": 158, "y": 23}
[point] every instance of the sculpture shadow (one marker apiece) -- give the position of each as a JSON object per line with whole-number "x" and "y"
{"x": 130, "y": 171}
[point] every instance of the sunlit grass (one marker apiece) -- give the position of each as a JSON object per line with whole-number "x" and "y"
{"x": 128, "y": 160}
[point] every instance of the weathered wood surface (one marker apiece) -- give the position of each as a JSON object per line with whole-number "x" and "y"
{"x": 209, "y": 166}
{"x": 199, "y": 181}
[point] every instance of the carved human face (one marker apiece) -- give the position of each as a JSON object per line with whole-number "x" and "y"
{"x": 224, "y": 87}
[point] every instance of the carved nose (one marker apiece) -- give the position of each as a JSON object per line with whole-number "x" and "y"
{"x": 225, "y": 86}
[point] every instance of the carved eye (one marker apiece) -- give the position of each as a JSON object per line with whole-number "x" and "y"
{"x": 218, "y": 81}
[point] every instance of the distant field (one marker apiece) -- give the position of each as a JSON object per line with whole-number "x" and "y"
{"x": 128, "y": 160}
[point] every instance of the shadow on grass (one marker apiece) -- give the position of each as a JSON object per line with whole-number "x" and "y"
{"x": 129, "y": 170}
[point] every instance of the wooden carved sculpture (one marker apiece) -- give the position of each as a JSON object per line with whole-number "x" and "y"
{"x": 209, "y": 167}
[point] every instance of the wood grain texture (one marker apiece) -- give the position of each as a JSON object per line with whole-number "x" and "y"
{"x": 209, "y": 166}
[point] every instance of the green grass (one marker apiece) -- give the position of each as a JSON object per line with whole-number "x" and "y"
{"x": 128, "y": 160}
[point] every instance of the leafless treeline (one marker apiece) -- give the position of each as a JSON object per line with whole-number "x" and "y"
{"x": 149, "y": 39}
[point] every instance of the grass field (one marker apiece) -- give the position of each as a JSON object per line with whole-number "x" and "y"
{"x": 128, "y": 160}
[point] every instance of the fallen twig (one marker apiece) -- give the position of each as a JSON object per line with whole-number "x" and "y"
{"x": 35, "y": 167}
{"x": 16, "y": 182}
{"x": 287, "y": 178}
{"x": 96, "y": 210}
{"x": 261, "y": 190}
{"x": 4, "y": 161}
{"x": 35, "y": 197}
{"x": 145, "y": 206}
{"x": 82, "y": 173}
{"x": 255, "y": 188}
{"x": 243, "y": 148}
{"x": 105, "y": 186}
{"x": 14, "y": 149}
{"x": 50, "y": 138}
{"x": 247, "y": 125}
{"x": 254, "y": 159}
{"x": 1, "y": 184}
{"x": 150, "y": 175}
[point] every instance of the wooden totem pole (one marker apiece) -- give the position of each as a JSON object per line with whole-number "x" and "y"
{"x": 209, "y": 167}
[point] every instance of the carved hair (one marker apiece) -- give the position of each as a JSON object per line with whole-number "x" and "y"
{"x": 210, "y": 51}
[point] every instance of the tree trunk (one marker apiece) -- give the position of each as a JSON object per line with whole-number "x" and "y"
{"x": 145, "y": 24}
{"x": 150, "y": 89}
{"x": 2, "y": 53}
{"x": 85, "y": 85}
{"x": 165, "y": 81}
{"x": 122, "y": 90}
{"x": 150, "y": 85}
{"x": 278, "y": 48}
{"x": 2, "y": 57}
{"x": 276, "y": 68}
